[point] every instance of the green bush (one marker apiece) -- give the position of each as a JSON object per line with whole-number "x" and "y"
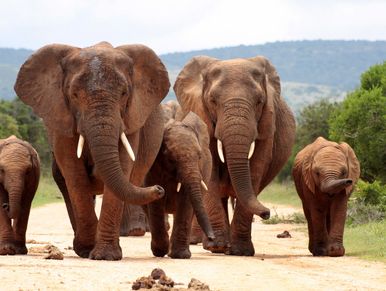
{"x": 367, "y": 204}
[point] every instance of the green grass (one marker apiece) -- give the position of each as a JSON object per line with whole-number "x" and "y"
{"x": 284, "y": 194}
{"x": 367, "y": 241}
{"x": 47, "y": 192}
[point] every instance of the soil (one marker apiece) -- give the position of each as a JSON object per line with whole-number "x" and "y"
{"x": 279, "y": 263}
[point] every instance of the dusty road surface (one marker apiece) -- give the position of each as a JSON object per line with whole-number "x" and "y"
{"x": 279, "y": 264}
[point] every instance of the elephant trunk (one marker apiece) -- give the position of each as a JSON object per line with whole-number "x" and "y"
{"x": 103, "y": 140}
{"x": 237, "y": 149}
{"x": 335, "y": 185}
{"x": 15, "y": 191}
{"x": 195, "y": 195}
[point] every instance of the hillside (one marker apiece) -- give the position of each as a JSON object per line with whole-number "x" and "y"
{"x": 309, "y": 70}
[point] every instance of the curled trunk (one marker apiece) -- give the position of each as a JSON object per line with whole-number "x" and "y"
{"x": 237, "y": 147}
{"x": 103, "y": 140}
{"x": 335, "y": 185}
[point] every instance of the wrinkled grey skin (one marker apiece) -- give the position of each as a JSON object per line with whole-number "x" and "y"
{"x": 19, "y": 179}
{"x": 325, "y": 173}
{"x": 184, "y": 158}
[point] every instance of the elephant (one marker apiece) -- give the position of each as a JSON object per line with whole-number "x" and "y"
{"x": 182, "y": 168}
{"x": 101, "y": 108}
{"x": 325, "y": 173}
{"x": 19, "y": 180}
{"x": 251, "y": 131}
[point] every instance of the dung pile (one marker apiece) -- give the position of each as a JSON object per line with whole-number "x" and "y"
{"x": 160, "y": 282}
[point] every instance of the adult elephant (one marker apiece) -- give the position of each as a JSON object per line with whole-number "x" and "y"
{"x": 96, "y": 103}
{"x": 19, "y": 180}
{"x": 251, "y": 130}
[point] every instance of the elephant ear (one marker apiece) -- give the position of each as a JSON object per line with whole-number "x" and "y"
{"x": 352, "y": 164}
{"x": 272, "y": 88}
{"x": 189, "y": 87}
{"x": 150, "y": 85}
{"x": 306, "y": 158}
{"x": 199, "y": 127}
{"x": 39, "y": 84}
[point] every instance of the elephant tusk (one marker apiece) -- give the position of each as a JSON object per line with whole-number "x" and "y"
{"x": 127, "y": 146}
{"x": 80, "y": 146}
{"x": 251, "y": 150}
{"x": 204, "y": 185}
{"x": 219, "y": 150}
{"x": 178, "y": 186}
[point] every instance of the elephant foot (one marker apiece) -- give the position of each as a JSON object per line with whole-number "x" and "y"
{"x": 195, "y": 239}
{"x": 336, "y": 250}
{"x": 241, "y": 248}
{"x": 7, "y": 248}
{"x": 160, "y": 248}
{"x": 319, "y": 251}
{"x": 20, "y": 248}
{"x": 82, "y": 250}
{"x": 220, "y": 244}
{"x": 179, "y": 253}
{"x": 106, "y": 251}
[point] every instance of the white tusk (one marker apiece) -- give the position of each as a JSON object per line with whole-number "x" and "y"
{"x": 80, "y": 146}
{"x": 219, "y": 150}
{"x": 251, "y": 150}
{"x": 204, "y": 185}
{"x": 178, "y": 186}
{"x": 127, "y": 146}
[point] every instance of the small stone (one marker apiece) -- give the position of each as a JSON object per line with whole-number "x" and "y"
{"x": 157, "y": 273}
{"x": 166, "y": 281}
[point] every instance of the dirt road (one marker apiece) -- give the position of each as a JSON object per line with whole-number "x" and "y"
{"x": 279, "y": 264}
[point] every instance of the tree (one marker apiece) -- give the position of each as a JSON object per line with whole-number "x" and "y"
{"x": 8, "y": 126}
{"x": 361, "y": 122}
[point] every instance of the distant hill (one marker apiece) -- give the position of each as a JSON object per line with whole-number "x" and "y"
{"x": 309, "y": 70}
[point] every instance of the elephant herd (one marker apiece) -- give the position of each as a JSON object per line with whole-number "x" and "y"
{"x": 229, "y": 135}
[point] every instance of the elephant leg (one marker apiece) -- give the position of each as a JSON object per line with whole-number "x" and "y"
{"x": 20, "y": 225}
{"x": 7, "y": 243}
{"x": 214, "y": 207}
{"x": 319, "y": 228}
{"x": 159, "y": 234}
{"x": 179, "y": 241}
{"x": 337, "y": 217}
{"x": 133, "y": 221}
{"x": 59, "y": 180}
{"x": 107, "y": 239}
{"x": 196, "y": 232}
{"x": 307, "y": 214}
{"x": 241, "y": 240}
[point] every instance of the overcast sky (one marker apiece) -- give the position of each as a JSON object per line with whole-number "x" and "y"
{"x": 178, "y": 25}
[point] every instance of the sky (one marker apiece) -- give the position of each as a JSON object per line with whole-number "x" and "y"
{"x": 183, "y": 25}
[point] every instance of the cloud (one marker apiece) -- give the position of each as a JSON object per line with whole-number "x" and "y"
{"x": 175, "y": 25}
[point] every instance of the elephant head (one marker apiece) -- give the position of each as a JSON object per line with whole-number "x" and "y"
{"x": 186, "y": 146}
{"x": 328, "y": 167}
{"x": 97, "y": 94}
{"x": 19, "y": 165}
{"x": 236, "y": 99}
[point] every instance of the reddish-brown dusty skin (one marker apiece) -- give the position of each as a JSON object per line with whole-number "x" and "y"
{"x": 279, "y": 264}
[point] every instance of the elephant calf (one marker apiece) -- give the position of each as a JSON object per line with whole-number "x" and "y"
{"x": 182, "y": 168}
{"x": 19, "y": 179}
{"x": 325, "y": 173}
